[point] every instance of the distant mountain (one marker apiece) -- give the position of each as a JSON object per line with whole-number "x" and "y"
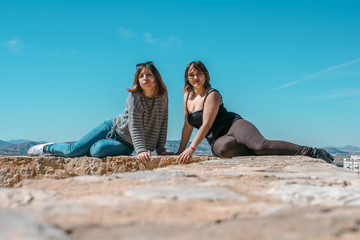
{"x": 342, "y": 150}
{"x": 334, "y": 150}
{"x": 349, "y": 148}
{"x": 4, "y": 143}
{"x": 16, "y": 149}
{"x": 18, "y": 141}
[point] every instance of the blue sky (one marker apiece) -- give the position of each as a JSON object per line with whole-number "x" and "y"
{"x": 290, "y": 67}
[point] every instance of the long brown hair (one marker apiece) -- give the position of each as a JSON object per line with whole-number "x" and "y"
{"x": 160, "y": 85}
{"x": 200, "y": 67}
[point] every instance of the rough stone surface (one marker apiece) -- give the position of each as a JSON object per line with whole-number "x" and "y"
{"x": 267, "y": 197}
{"x": 21, "y": 224}
{"x": 17, "y": 168}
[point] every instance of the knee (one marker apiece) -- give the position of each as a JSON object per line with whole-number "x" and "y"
{"x": 259, "y": 147}
{"x": 98, "y": 150}
{"x": 73, "y": 150}
{"x": 224, "y": 149}
{"x": 107, "y": 147}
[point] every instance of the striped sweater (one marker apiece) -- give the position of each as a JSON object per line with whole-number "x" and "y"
{"x": 144, "y": 122}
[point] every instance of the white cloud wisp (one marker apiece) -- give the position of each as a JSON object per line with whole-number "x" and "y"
{"x": 312, "y": 76}
{"x": 126, "y": 33}
{"x": 149, "y": 38}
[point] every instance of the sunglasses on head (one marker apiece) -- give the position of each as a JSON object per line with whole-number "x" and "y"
{"x": 149, "y": 63}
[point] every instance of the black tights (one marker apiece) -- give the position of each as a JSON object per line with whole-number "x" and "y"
{"x": 244, "y": 139}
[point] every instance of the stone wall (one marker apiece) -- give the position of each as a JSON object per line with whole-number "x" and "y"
{"x": 17, "y": 168}
{"x": 267, "y": 197}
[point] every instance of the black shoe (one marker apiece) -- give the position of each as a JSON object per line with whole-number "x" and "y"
{"x": 323, "y": 154}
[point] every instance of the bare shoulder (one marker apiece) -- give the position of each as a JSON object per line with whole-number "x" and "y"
{"x": 186, "y": 94}
{"x": 214, "y": 96}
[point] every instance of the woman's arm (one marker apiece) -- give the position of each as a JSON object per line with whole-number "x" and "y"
{"x": 187, "y": 129}
{"x": 211, "y": 108}
{"x": 136, "y": 127}
{"x": 185, "y": 136}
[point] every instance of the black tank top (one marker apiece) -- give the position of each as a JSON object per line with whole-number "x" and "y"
{"x": 221, "y": 125}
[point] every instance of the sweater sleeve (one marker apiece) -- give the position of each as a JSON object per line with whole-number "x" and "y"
{"x": 136, "y": 127}
{"x": 160, "y": 147}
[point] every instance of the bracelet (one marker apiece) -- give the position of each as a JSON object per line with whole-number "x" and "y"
{"x": 192, "y": 148}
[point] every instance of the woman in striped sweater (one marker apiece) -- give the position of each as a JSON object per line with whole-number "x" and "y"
{"x": 141, "y": 127}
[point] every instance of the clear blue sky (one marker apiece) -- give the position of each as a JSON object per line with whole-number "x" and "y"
{"x": 290, "y": 67}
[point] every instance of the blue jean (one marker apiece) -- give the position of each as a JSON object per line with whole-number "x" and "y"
{"x": 93, "y": 144}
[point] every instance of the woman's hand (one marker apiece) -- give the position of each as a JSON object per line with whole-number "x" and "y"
{"x": 166, "y": 153}
{"x": 185, "y": 156}
{"x": 144, "y": 157}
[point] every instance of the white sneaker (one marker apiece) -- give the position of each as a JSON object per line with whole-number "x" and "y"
{"x": 38, "y": 150}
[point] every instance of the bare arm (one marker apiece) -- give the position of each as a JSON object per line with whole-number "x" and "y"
{"x": 211, "y": 108}
{"x": 185, "y": 136}
{"x": 187, "y": 129}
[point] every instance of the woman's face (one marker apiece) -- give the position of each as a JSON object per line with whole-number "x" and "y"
{"x": 147, "y": 80}
{"x": 196, "y": 78}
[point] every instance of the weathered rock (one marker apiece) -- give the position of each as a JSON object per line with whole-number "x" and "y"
{"x": 8, "y": 177}
{"x": 15, "y": 169}
{"x": 182, "y": 193}
{"x": 268, "y": 197}
{"x": 21, "y": 224}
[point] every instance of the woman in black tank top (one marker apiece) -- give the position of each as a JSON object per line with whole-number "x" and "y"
{"x": 228, "y": 134}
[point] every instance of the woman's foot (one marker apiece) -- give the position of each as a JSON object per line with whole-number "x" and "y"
{"x": 37, "y": 150}
{"x": 323, "y": 154}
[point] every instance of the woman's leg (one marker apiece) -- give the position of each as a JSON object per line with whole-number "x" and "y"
{"x": 245, "y": 133}
{"x": 110, "y": 147}
{"x": 227, "y": 147}
{"x": 81, "y": 147}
